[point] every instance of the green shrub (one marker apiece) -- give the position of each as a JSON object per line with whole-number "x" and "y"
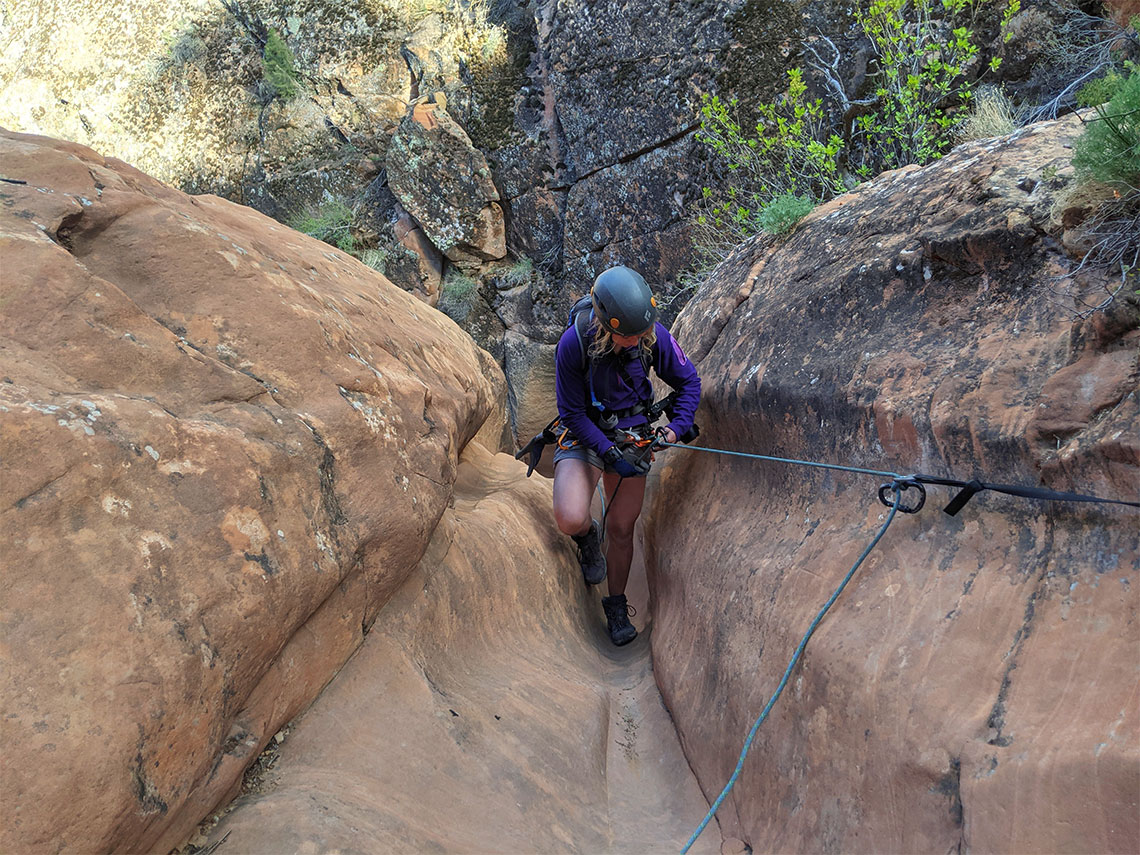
{"x": 789, "y": 153}
{"x": 1109, "y": 149}
{"x": 793, "y": 158}
{"x": 331, "y": 222}
{"x": 457, "y": 285}
{"x": 922, "y": 77}
{"x": 377, "y": 259}
{"x": 1096, "y": 92}
{"x": 790, "y": 149}
{"x": 278, "y": 68}
{"x": 518, "y": 273}
{"x": 782, "y": 213}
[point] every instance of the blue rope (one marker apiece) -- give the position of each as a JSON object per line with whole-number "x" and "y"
{"x": 796, "y": 656}
{"x": 835, "y": 466}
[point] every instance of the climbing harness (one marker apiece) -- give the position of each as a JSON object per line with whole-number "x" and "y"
{"x": 556, "y": 433}
{"x": 895, "y": 489}
{"x": 645, "y": 446}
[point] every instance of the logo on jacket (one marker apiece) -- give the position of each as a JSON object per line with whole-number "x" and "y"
{"x": 680, "y": 353}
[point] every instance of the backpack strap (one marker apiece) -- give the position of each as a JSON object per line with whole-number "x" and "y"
{"x": 581, "y": 316}
{"x": 646, "y": 403}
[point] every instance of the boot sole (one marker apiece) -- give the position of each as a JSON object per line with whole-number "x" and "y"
{"x": 623, "y": 642}
{"x": 590, "y": 581}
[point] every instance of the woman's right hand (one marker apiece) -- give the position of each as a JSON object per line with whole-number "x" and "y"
{"x": 626, "y": 463}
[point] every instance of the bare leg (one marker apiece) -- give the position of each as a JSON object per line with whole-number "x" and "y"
{"x": 574, "y": 482}
{"x": 621, "y": 515}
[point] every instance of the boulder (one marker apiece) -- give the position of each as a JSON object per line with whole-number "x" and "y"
{"x": 226, "y": 445}
{"x": 445, "y": 183}
{"x": 402, "y": 251}
{"x": 975, "y": 685}
{"x": 531, "y": 404}
{"x": 534, "y": 227}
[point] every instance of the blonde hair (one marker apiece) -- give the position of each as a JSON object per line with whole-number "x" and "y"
{"x": 603, "y": 339}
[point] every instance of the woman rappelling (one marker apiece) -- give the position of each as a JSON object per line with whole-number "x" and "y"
{"x": 605, "y": 403}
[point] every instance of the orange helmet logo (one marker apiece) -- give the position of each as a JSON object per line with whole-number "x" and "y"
{"x": 614, "y": 322}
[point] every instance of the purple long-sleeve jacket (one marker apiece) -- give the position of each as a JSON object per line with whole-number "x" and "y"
{"x": 572, "y": 389}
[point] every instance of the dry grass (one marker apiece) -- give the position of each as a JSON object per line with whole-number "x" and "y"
{"x": 992, "y": 115}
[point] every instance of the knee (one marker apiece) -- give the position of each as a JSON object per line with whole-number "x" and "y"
{"x": 620, "y": 530}
{"x": 571, "y": 521}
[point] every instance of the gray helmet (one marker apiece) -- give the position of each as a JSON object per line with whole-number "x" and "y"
{"x": 624, "y": 301}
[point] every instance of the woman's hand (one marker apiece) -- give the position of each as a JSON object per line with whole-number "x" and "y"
{"x": 666, "y": 434}
{"x": 626, "y": 462}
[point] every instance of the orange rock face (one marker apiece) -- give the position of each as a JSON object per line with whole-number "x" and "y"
{"x": 224, "y": 446}
{"x": 976, "y": 686}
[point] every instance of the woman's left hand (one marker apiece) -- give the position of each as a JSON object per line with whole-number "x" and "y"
{"x": 667, "y": 434}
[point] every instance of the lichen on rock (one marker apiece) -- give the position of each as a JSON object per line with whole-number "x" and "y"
{"x": 445, "y": 183}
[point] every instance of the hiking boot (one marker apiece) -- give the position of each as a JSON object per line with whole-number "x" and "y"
{"x": 590, "y": 555}
{"x": 617, "y": 616}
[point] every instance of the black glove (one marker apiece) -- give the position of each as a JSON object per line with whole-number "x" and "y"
{"x": 627, "y": 463}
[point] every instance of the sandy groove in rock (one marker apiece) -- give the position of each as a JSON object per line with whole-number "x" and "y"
{"x": 484, "y": 712}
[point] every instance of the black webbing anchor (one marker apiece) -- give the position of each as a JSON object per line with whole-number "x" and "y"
{"x": 968, "y": 489}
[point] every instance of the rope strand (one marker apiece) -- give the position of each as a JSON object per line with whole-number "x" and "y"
{"x": 788, "y": 673}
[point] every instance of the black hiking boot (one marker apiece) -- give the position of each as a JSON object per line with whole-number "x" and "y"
{"x": 590, "y": 555}
{"x": 617, "y": 616}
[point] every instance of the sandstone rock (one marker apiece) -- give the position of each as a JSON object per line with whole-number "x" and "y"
{"x": 537, "y": 309}
{"x": 626, "y": 201}
{"x": 174, "y": 87}
{"x": 463, "y": 301}
{"x": 402, "y": 251}
{"x": 626, "y": 77}
{"x": 225, "y": 445}
{"x": 446, "y": 185}
{"x": 482, "y": 713}
{"x": 975, "y": 685}
{"x": 426, "y": 263}
{"x": 534, "y": 227}
{"x": 530, "y": 394}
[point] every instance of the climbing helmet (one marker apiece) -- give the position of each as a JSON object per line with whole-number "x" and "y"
{"x": 624, "y": 303}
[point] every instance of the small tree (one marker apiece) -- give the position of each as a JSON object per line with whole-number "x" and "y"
{"x": 788, "y": 155}
{"x": 1109, "y": 149}
{"x": 277, "y": 66}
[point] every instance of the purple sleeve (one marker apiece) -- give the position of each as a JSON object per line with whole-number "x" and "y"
{"x": 676, "y": 369}
{"x": 571, "y": 389}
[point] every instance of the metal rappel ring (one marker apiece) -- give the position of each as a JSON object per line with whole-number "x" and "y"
{"x": 903, "y": 485}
